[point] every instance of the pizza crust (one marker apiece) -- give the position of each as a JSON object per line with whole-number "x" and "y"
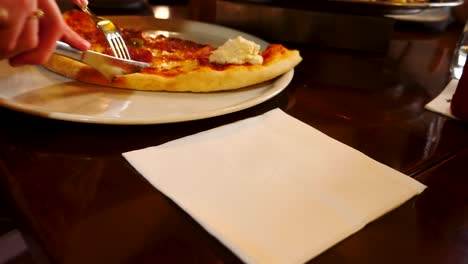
{"x": 200, "y": 80}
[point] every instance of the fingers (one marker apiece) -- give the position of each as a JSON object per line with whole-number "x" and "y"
{"x": 36, "y": 38}
{"x": 80, "y": 3}
{"x": 51, "y": 28}
{"x": 74, "y": 39}
{"x": 28, "y": 39}
{"x": 16, "y": 27}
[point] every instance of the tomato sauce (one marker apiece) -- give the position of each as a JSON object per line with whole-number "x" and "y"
{"x": 157, "y": 50}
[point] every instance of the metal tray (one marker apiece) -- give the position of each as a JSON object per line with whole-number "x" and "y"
{"x": 396, "y": 6}
{"x": 367, "y": 7}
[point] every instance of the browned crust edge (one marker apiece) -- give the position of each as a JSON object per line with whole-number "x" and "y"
{"x": 201, "y": 80}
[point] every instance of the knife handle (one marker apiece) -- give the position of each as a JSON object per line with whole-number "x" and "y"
{"x": 64, "y": 49}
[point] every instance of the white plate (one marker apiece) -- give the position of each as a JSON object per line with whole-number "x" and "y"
{"x": 426, "y": 16}
{"x": 35, "y": 90}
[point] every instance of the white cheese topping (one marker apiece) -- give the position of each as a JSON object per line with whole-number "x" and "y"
{"x": 237, "y": 51}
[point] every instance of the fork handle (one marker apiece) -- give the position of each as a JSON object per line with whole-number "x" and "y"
{"x": 64, "y": 49}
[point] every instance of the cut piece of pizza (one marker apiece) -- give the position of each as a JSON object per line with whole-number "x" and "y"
{"x": 178, "y": 64}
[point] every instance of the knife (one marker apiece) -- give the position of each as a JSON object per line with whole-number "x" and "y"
{"x": 109, "y": 66}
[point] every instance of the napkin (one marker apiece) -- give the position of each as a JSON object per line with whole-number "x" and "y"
{"x": 441, "y": 104}
{"x": 271, "y": 188}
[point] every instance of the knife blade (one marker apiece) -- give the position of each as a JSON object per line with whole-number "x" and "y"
{"x": 109, "y": 66}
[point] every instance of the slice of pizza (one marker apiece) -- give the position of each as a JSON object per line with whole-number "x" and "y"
{"x": 178, "y": 64}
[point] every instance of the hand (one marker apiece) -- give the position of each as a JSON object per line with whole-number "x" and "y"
{"x": 80, "y": 3}
{"x": 29, "y": 39}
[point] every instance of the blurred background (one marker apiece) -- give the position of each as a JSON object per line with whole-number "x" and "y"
{"x": 345, "y": 24}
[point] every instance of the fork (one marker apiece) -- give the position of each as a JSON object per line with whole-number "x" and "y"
{"x": 111, "y": 33}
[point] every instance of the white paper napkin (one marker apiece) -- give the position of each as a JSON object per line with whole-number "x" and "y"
{"x": 441, "y": 104}
{"x": 273, "y": 189}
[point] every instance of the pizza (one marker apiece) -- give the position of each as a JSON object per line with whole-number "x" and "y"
{"x": 177, "y": 64}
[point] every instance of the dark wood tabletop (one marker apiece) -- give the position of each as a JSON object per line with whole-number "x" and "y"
{"x": 76, "y": 200}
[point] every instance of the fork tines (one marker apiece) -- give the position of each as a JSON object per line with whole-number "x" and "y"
{"x": 122, "y": 50}
{"x": 112, "y": 34}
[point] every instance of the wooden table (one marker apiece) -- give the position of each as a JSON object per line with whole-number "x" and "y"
{"x": 77, "y": 200}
